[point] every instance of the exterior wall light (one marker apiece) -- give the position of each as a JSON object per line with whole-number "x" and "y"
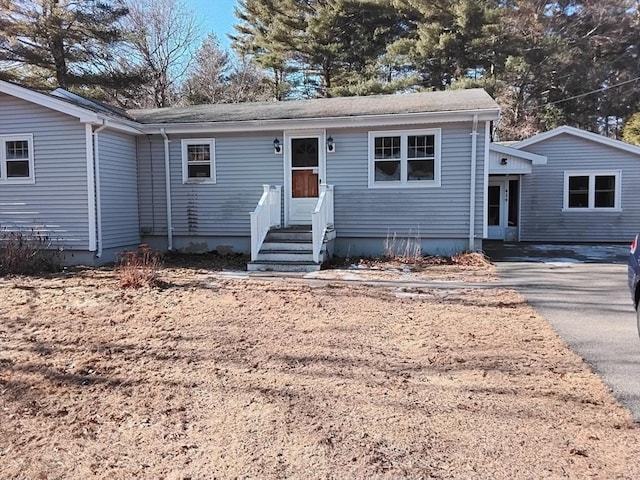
{"x": 277, "y": 148}
{"x": 331, "y": 146}
{"x": 503, "y": 161}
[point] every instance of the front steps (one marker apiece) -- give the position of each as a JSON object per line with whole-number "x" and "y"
{"x": 290, "y": 250}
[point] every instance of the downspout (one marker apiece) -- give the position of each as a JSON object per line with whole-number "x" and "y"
{"x": 168, "y": 190}
{"x": 96, "y": 159}
{"x": 91, "y": 187}
{"x": 472, "y": 199}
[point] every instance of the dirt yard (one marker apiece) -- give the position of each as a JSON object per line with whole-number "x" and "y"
{"x": 218, "y": 377}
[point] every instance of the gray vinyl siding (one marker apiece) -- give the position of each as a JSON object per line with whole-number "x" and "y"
{"x": 431, "y": 212}
{"x": 244, "y": 162}
{"x": 542, "y": 218}
{"x": 118, "y": 189}
{"x": 152, "y": 199}
{"x": 57, "y": 204}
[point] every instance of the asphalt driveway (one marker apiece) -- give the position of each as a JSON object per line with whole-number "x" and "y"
{"x": 581, "y": 290}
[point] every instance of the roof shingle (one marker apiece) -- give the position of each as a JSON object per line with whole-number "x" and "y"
{"x": 429, "y": 102}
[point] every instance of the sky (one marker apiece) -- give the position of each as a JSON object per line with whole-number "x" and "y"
{"x": 215, "y": 16}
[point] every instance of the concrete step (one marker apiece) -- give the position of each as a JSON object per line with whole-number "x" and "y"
{"x": 289, "y": 235}
{"x": 288, "y": 256}
{"x": 296, "y": 234}
{"x": 289, "y": 245}
{"x": 266, "y": 266}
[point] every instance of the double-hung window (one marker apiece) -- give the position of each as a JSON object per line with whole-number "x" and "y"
{"x": 592, "y": 190}
{"x": 198, "y": 161}
{"x": 16, "y": 159}
{"x": 406, "y": 158}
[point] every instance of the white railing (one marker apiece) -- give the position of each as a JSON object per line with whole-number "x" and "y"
{"x": 321, "y": 219}
{"x": 266, "y": 215}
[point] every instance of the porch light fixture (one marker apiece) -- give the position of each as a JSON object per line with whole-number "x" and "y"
{"x": 277, "y": 148}
{"x": 331, "y": 146}
{"x": 503, "y": 161}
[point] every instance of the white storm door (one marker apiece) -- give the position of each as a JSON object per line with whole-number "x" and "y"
{"x": 305, "y": 164}
{"x": 497, "y": 210}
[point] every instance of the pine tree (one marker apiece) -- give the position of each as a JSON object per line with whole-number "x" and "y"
{"x": 62, "y": 42}
{"x": 317, "y": 47}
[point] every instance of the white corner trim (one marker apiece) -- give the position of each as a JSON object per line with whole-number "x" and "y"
{"x": 472, "y": 187}
{"x": 485, "y": 186}
{"x": 91, "y": 187}
{"x": 576, "y": 132}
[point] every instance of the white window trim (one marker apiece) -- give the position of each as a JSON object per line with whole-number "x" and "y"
{"x": 185, "y": 171}
{"x": 31, "y": 179}
{"x": 592, "y": 174}
{"x": 404, "y": 182}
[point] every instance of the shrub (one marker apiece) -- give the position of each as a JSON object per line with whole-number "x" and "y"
{"x": 140, "y": 268}
{"x": 27, "y": 253}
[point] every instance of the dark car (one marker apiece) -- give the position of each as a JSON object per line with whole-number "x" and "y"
{"x": 634, "y": 276}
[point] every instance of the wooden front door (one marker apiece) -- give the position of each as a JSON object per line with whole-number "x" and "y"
{"x": 305, "y": 163}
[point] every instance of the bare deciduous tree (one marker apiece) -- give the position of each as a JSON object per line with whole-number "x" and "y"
{"x": 164, "y": 35}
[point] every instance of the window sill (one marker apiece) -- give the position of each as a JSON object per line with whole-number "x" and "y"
{"x": 592, "y": 210}
{"x": 198, "y": 182}
{"x": 404, "y": 186}
{"x": 17, "y": 181}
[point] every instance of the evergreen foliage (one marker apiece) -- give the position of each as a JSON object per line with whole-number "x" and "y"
{"x": 537, "y": 58}
{"x": 573, "y": 62}
{"x": 47, "y": 43}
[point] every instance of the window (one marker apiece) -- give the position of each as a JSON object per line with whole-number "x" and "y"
{"x": 584, "y": 191}
{"x": 16, "y": 159}
{"x": 404, "y": 159}
{"x": 198, "y": 161}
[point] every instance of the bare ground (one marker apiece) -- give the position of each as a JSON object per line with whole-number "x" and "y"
{"x": 212, "y": 377}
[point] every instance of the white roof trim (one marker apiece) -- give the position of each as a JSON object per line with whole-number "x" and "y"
{"x": 576, "y": 132}
{"x": 48, "y": 101}
{"x": 89, "y": 116}
{"x": 82, "y": 114}
{"x": 362, "y": 121}
{"x": 532, "y": 157}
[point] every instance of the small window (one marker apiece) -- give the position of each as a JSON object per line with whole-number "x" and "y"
{"x": 198, "y": 161}
{"x": 592, "y": 191}
{"x": 408, "y": 158}
{"x": 16, "y": 159}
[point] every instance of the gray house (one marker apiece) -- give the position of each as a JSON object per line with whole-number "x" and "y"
{"x": 564, "y": 185}
{"x": 284, "y": 181}
{"x": 291, "y": 182}
{"x": 69, "y": 172}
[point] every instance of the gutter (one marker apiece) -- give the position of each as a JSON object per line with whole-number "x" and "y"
{"x": 356, "y": 121}
{"x": 96, "y": 161}
{"x": 472, "y": 195}
{"x": 168, "y": 189}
